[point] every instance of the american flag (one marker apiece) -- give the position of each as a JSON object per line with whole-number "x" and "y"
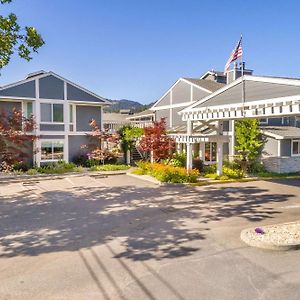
{"x": 235, "y": 54}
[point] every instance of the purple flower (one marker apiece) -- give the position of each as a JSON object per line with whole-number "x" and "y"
{"x": 259, "y": 230}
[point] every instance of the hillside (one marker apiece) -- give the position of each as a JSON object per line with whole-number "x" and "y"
{"x": 134, "y": 106}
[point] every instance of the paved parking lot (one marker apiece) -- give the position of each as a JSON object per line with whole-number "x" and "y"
{"x": 122, "y": 238}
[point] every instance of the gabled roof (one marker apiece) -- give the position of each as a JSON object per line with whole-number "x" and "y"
{"x": 212, "y": 72}
{"x": 257, "y": 88}
{"x": 281, "y": 132}
{"x": 144, "y": 113}
{"x": 41, "y": 74}
{"x": 207, "y": 86}
{"x": 210, "y": 85}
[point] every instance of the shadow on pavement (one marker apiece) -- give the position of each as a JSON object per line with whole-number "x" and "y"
{"x": 150, "y": 222}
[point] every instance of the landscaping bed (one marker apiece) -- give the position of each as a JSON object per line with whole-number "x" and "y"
{"x": 276, "y": 237}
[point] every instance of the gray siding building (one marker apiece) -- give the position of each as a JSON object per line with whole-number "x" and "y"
{"x": 62, "y": 110}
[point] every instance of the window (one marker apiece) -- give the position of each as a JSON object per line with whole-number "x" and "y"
{"x": 210, "y": 151}
{"x": 295, "y": 147}
{"x": 52, "y": 113}
{"x": 71, "y": 113}
{"x": 29, "y": 109}
{"x": 263, "y": 121}
{"x": 52, "y": 150}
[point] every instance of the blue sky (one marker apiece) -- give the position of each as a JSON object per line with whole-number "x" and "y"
{"x": 136, "y": 49}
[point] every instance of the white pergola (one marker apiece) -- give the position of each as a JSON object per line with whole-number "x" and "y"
{"x": 213, "y": 115}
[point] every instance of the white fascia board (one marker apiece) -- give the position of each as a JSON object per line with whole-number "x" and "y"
{"x": 154, "y": 107}
{"x": 79, "y": 87}
{"x": 105, "y": 101}
{"x": 196, "y": 86}
{"x": 272, "y": 135}
{"x": 205, "y": 74}
{"x": 247, "y": 103}
{"x": 217, "y": 92}
{"x": 165, "y": 94}
{"x": 172, "y": 106}
{"x": 15, "y": 99}
{"x": 286, "y": 81}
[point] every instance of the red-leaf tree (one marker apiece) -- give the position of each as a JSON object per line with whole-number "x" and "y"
{"x": 16, "y": 135}
{"x": 100, "y": 143}
{"x": 156, "y": 140}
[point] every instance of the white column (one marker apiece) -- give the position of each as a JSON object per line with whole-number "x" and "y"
{"x": 178, "y": 147}
{"x": 36, "y": 106}
{"x": 189, "y": 153}
{"x": 232, "y": 141}
{"x": 202, "y": 151}
{"x": 66, "y": 124}
{"x": 219, "y": 157}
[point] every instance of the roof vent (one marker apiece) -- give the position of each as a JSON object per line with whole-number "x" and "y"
{"x": 34, "y": 74}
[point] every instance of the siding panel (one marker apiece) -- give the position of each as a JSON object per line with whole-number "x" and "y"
{"x": 181, "y": 93}
{"x": 51, "y": 88}
{"x": 76, "y": 94}
{"x": 85, "y": 114}
{"x": 26, "y": 90}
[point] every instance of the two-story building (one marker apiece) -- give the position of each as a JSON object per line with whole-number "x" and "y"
{"x": 201, "y": 112}
{"x": 62, "y": 110}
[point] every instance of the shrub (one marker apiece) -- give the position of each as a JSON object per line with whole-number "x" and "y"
{"x": 167, "y": 173}
{"x": 21, "y": 166}
{"x": 32, "y": 172}
{"x": 198, "y": 164}
{"x": 110, "y": 167}
{"x": 57, "y": 168}
{"x": 229, "y": 170}
{"x": 210, "y": 169}
{"x": 256, "y": 167}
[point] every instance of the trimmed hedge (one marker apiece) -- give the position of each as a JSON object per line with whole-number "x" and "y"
{"x": 167, "y": 173}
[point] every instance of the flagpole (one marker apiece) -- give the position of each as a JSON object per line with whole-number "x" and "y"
{"x": 243, "y": 81}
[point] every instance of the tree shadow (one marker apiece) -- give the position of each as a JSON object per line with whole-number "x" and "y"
{"x": 150, "y": 222}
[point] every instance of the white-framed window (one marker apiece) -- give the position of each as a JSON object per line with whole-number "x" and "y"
{"x": 52, "y": 113}
{"x": 28, "y": 109}
{"x": 71, "y": 113}
{"x": 210, "y": 152}
{"x": 295, "y": 147}
{"x": 263, "y": 121}
{"x": 52, "y": 150}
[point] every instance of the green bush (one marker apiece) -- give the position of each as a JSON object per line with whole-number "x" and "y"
{"x": 110, "y": 167}
{"x": 32, "y": 172}
{"x": 256, "y": 167}
{"x": 21, "y": 166}
{"x": 57, "y": 168}
{"x": 210, "y": 169}
{"x": 229, "y": 170}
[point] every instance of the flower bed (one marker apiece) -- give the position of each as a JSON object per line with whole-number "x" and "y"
{"x": 167, "y": 173}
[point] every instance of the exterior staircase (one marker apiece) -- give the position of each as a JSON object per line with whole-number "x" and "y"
{"x": 136, "y": 155}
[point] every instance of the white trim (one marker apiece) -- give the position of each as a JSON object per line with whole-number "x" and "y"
{"x": 298, "y": 141}
{"x": 85, "y": 103}
{"x": 278, "y": 147}
{"x": 16, "y": 99}
{"x": 217, "y": 92}
{"x": 272, "y": 135}
{"x": 46, "y": 74}
{"x": 172, "y": 106}
{"x": 154, "y": 107}
{"x": 52, "y": 141}
{"x": 197, "y": 86}
{"x": 263, "y": 122}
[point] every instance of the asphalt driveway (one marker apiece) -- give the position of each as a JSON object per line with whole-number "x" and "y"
{"x": 123, "y": 238}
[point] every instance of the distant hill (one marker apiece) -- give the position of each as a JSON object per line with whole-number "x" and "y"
{"x": 134, "y": 106}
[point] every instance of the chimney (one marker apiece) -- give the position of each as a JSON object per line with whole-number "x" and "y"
{"x": 237, "y": 71}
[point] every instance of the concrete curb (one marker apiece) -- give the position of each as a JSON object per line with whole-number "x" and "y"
{"x": 39, "y": 177}
{"x": 266, "y": 245}
{"x": 145, "y": 178}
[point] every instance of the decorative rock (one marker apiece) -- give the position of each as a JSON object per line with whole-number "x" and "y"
{"x": 277, "y": 237}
